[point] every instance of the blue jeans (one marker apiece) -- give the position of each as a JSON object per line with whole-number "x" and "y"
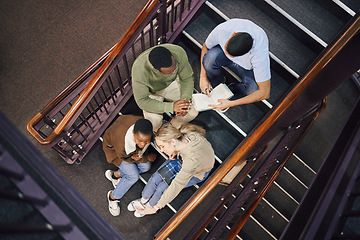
{"x": 215, "y": 59}
{"x": 156, "y": 186}
{"x": 130, "y": 173}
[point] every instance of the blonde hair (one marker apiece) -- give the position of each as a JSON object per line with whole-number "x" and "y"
{"x": 167, "y": 132}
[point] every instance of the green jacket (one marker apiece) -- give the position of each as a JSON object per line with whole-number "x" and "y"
{"x": 146, "y": 79}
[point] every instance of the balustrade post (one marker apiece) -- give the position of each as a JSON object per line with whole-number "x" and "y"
{"x": 162, "y": 23}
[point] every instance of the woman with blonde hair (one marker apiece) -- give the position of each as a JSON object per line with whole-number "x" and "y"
{"x": 191, "y": 158}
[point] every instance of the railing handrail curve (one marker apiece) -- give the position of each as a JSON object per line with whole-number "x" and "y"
{"x": 111, "y": 54}
{"x": 241, "y": 153}
{"x": 61, "y": 96}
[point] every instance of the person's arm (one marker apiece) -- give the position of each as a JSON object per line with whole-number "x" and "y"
{"x": 205, "y": 85}
{"x": 177, "y": 184}
{"x": 186, "y": 76}
{"x": 261, "y": 94}
{"x": 142, "y": 93}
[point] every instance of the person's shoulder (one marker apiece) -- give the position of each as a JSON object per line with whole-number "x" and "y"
{"x": 127, "y": 120}
{"x": 196, "y": 139}
{"x": 143, "y": 57}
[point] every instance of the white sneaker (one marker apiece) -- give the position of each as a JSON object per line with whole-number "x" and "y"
{"x": 108, "y": 175}
{"x": 138, "y": 215}
{"x": 133, "y": 204}
{"x": 114, "y": 207}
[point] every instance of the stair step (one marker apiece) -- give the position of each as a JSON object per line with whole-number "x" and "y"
{"x": 253, "y": 230}
{"x": 281, "y": 201}
{"x": 318, "y": 20}
{"x": 269, "y": 219}
{"x": 291, "y": 185}
{"x": 216, "y": 129}
{"x": 286, "y": 47}
{"x": 300, "y": 168}
{"x": 351, "y": 6}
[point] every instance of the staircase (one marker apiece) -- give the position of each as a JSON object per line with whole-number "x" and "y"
{"x": 298, "y": 31}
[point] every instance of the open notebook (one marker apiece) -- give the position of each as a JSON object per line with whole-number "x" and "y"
{"x": 201, "y": 101}
{"x": 142, "y": 151}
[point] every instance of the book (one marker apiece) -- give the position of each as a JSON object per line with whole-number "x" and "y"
{"x": 202, "y": 101}
{"x": 169, "y": 171}
{"x": 142, "y": 151}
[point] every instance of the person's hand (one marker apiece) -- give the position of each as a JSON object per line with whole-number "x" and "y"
{"x": 173, "y": 156}
{"x": 181, "y": 107}
{"x": 205, "y": 85}
{"x": 151, "y": 157}
{"x": 146, "y": 210}
{"x": 135, "y": 157}
{"x": 223, "y": 103}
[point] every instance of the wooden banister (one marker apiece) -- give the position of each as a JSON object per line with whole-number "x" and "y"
{"x": 30, "y": 126}
{"x": 352, "y": 28}
{"x": 89, "y": 89}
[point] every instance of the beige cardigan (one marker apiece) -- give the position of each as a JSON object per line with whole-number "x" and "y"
{"x": 198, "y": 158}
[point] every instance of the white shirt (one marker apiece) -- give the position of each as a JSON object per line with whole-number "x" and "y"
{"x": 257, "y": 58}
{"x": 130, "y": 144}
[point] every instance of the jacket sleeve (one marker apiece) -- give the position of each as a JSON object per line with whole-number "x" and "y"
{"x": 179, "y": 182}
{"x": 186, "y": 76}
{"x": 141, "y": 94}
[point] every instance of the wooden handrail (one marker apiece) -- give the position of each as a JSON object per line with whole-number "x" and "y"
{"x": 211, "y": 183}
{"x": 30, "y": 126}
{"x": 111, "y": 54}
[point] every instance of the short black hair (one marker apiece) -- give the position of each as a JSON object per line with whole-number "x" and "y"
{"x": 239, "y": 44}
{"x": 144, "y": 126}
{"x": 160, "y": 57}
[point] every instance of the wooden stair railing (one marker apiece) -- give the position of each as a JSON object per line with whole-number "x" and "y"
{"x": 322, "y": 211}
{"x": 309, "y": 90}
{"x": 61, "y": 97}
{"x": 106, "y": 60}
{"x": 81, "y": 124}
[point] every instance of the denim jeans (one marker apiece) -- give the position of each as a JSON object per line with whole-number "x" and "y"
{"x": 130, "y": 173}
{"x": 156, "y": 186}
{"x": 215, "y": 59}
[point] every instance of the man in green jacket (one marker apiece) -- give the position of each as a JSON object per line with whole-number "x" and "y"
{"x": 163, "y": 81}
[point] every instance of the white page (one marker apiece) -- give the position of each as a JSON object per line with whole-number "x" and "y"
{"x": 201, "y": 101}
{"x": 220, "y": 92}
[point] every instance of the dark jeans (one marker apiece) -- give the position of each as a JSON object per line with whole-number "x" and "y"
{"x": 213, "y": 62}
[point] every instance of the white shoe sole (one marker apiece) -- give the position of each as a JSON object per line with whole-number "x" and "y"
{"x": 108, "y": 177}
{"x": 114, "y": 212}
{"x": 133, "y": 204}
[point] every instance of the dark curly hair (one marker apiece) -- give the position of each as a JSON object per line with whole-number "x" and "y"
{"x": 160, "y": 57}
{"x": 239, "y": 44}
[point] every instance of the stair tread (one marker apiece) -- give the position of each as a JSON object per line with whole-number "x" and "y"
{"x": 286, "y": 47}
{"x": 319, "y": 21}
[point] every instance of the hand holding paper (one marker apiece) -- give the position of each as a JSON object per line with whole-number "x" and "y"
{"x": 203, "y": 102}
{"x": 222, "y": 104}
